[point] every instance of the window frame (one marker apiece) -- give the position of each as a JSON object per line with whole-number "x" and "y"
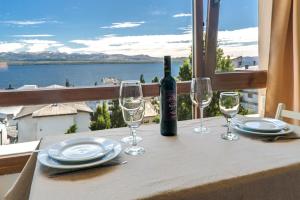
{"x": 220, "y": 81}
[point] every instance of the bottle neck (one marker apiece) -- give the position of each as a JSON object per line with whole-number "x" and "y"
{"x": 167, "y": 73}
{"x": 167, "y": 70}
{"x": 167, "y": 65}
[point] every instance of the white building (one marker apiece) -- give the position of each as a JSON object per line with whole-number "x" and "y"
{"x": 35, "y": 122}
{"x": 244, "y": 62}
{"x": 150, "y": 111}
{"x": 250, "y": 99}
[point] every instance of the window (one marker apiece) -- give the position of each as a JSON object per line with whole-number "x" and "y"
{"x": 204, "y": 51}
{"x": 91, "y": 43}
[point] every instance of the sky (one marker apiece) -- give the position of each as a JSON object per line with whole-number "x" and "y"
{"x": 130, "y": 27}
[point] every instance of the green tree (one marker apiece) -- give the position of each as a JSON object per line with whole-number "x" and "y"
{"x": 155, "y": 80}
{"x": 10, "y": 87}
{"x": 100, "y": 119}
{"x": 67, "y": 83}
{"x": 224, "y": 63}
{"x": 116, "y": 115}
{"x": 184, "y": 111}
{"x": 72, "y": 129}
{"x": 156, "y": 119}
{"x": 106, "y": 116}
{"x": 142, "y": 80}
{"x": 184, "y": 103}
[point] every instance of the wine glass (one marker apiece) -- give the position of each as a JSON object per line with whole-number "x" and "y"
{"x": 201, "y": 95}
{"x": 229, "y": 103}
{"x": 133, "y": 110}
{"x": 128, "y": 89}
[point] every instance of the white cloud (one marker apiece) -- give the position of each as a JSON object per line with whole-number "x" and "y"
{"x": 153, "y": 45}
{"x": 187, "y": 29}
{"x": 24, "y": 22}
{"x": 36, "y": 45}
{"x": 182, "y": 15}
{"x": 10, "y": 47}
{"x": 124, "y": 25}
{"x": 34, "y": 36}
{"x": 241, "y": 42}
{"x": 37, "y": 41}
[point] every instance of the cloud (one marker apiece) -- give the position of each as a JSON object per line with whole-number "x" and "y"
{"x": 152, "y": 45}
{"x": 34, "y": 36}
{"x": 28, "y": 22}
{"x": 37, "y": 41}
{"x": 241, "y": 42}
{"x": 187, "y": 29}
{"x": 182, "y": 15}
{"x": 36, "y": 45}
{"x": 124, "y": 25}
{"x": 25, "y": 22}
{"x": 10, "y": 47}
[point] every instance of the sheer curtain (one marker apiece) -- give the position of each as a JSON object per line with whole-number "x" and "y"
{"x": 279, "y": 49}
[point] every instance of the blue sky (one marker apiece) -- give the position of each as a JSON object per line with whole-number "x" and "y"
{"x": 110, "y": 26}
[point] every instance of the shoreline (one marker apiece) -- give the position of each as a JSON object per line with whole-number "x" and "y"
{"x": 24, "y": 63}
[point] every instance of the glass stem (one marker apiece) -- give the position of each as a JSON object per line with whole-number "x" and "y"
{"x": 133, "y": 132}
{"x": 228, "y": 126}
{"x": 201, "y": 117}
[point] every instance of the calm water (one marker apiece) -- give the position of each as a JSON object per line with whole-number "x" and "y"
{"x": 78, "y": 75}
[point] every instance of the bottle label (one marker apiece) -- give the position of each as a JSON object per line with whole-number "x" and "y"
{"x": 171, "y": 105}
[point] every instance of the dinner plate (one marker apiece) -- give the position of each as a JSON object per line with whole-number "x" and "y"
{"x": 258, "y": 124}
{"x": 81, "y": 149}
{"x": 284, "y": 131}
{"x": 45, "y": 160}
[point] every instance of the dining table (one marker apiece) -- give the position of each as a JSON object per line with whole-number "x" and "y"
{"x": 189, "y": 166}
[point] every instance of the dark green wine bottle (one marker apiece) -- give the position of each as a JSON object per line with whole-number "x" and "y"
{"x": 168, "y": 101}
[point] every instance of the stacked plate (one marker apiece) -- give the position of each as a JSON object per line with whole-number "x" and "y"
{"x": 261, "y": 126}
{"x": 81, "y": 152}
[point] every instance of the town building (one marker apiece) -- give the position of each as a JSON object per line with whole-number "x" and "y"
{"x": 35, "y": 122}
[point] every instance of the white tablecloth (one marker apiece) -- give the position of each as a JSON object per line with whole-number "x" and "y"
{"x": 189, "y": 166}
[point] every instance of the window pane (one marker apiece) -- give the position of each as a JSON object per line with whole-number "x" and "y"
{"x": 86, "y": 43}
{"x": 238, "y": 36}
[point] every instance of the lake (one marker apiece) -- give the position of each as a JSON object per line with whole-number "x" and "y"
{"x": 79, "y": 75}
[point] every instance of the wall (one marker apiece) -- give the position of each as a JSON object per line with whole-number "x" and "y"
{"x": 82, "y": 121}
{"x": 56, "y": 125}
{"x": 27, "y": 129}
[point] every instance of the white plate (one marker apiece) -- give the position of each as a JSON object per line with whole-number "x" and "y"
{"x": 285, "y": 131}
{"x": 81, "y": 149}
{"x": 44, "y": 159}
{"x": 258, "y": 124}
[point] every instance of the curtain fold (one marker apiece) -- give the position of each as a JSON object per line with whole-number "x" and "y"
{"x": 283, "y": 84}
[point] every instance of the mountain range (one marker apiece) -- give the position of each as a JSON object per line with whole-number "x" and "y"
{"x": 75, "y": 58}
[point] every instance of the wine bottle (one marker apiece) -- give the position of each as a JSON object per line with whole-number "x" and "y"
{"x": 168, "y": 101}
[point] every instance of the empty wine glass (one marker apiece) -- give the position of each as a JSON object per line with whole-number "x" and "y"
{"x": 201, "y": 95}
{"x": 133, "y": 110}
{"x": 229, "y": 103}
{"x": 134, "y": 90}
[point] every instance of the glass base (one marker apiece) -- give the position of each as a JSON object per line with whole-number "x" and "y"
{"x": 129, "y": 139}
{"x": 229, "y": 136}
{"x": 201, "y": 130}
{"x": 134, "y": 150}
